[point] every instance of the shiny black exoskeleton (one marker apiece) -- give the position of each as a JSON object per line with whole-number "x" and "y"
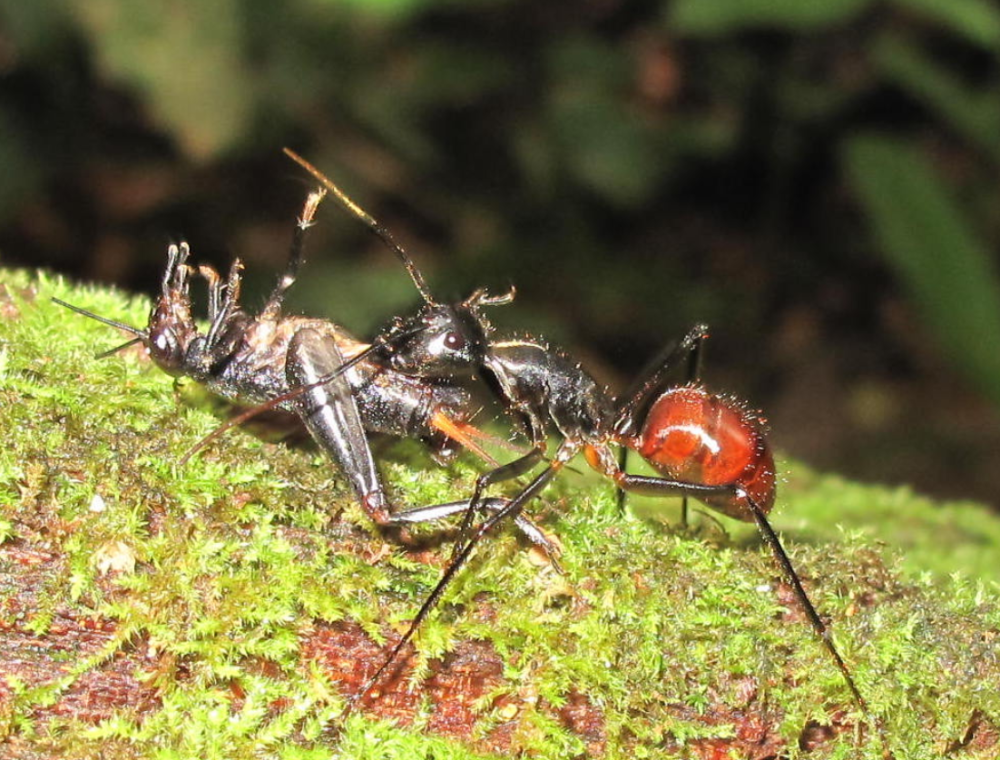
{"x": 275, "y": 357}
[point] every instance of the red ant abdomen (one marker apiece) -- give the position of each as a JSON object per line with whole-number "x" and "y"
{"x": 695, "y": 436}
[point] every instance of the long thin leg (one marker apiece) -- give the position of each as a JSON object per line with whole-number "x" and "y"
{"x": 221, "y": 336}
{"x": 656, "y": 486}
{"x": 651, "y": 381}
{"x": 272, "y": 308}
{"x": 528, "y": 529}
{"x": 792, "y": 578}
{"x": 510, "y": 510}
{"x": 634, "y": 403}
{"x": 693, "y": 373}
{"x": 508, "y": 471}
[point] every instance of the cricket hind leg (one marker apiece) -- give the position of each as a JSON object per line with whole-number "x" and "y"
{"x": 330, "y": 412}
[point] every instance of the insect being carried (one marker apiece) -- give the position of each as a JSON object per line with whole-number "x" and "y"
{"x": 703, "y": 445}
{"x": 278, "y": 359}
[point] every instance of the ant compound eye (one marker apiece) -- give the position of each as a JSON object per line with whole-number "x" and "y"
{"x": 454, "y": 341}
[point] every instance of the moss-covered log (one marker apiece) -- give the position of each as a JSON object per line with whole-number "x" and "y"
{"x": 226, "y": 608}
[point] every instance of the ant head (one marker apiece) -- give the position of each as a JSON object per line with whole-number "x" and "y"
{"x": 444, "y": 340}
{"x": 441, "y": 340}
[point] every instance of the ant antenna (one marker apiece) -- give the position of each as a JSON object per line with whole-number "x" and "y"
{"x": 370, "y": 222}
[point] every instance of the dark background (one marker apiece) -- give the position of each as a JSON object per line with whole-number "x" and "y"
{"x": 818, "y": 181}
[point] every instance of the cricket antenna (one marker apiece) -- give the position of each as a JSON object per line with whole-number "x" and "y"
{"x": 141, "y": 336}
{"x": 370, "y": 222}
{"x": 122, "y": 347}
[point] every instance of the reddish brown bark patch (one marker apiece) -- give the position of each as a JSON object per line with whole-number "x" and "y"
{"x": 582, "y": 717}
{"x": 454, "y": 688}
{"x": 31, "y": 659}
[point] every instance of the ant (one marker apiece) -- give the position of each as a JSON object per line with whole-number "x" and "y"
{"x": 703, "y": 445}
{"x": 408, "y": 382}
{"x": 312, "y": 368}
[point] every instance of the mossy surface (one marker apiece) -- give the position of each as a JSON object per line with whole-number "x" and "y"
{"x": 226, "y": 608}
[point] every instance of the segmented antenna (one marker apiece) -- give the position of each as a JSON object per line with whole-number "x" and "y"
{"x": 141, "y": 336}
{"x": 370, "y": 222}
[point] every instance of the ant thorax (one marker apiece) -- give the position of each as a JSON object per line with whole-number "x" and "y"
{"x": 546, "y": 386}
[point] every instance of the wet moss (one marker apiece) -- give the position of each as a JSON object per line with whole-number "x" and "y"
{"x": 227, "y": 607}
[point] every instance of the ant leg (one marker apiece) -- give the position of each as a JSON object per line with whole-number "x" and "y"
{"x": 693, "y": 373}
{"x": 792, "y": 579}
{"x": 651, "y": 380}
{"x": 652, "y": 485}
{"x": 657, "y": 486}
{"x": 329, "y": 411}
{"x": 508, "y": 471}
{"x": 528, "y": 529}
{"x": 272, "y": 308}
{"x": 511, "y": 509}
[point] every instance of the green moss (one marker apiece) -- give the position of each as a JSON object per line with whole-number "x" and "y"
{"x": 663, "y": 644}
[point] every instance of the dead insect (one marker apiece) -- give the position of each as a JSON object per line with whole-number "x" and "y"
{"x": 310, "y": 367}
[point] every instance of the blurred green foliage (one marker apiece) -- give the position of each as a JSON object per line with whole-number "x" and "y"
{"x": 923, "y": 234}
{"x": 633, "y": 168}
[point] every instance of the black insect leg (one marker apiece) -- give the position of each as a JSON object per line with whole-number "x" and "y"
{"x": 632, "y": 406}
{"x": 693, "y": 374}
{"x": 511, "y": 510}
{"x": 528, "y": 529}
{"x": 792, "y": 579}
{"x": 476, "y": 504}
{"x": 272, "y": 308}
{"x": 651, "y": 381}
{"x": 652, "y": 485}
{"x": 330, "y": 413}
{"x": 226, "y": 317}
{"x": 508, "y": 471}
{"x": 656, "y": 486}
